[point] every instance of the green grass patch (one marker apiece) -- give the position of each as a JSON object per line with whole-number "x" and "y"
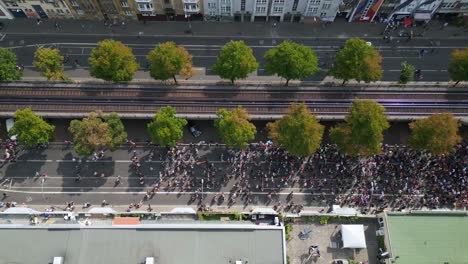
{"x": 206, "y": 216}
{"x": 288, "y": 230}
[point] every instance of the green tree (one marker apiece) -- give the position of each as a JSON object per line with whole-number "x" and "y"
{"x": 458, "y": 66}
{"x": 166, "y": 129}
{"x": 291, "y": 61}
{"x": 362, "y": 132}
{"x": 298, "y": 131}
{"x": 30, "y": 129}
{"x": 357, "y": 60}
{"x": 97, "y": 132}
{"x": 112, "y": 61}
{"x": 50, "y": 63}
{"x": 116, "y": 132}
{"x": 235, "y": 61}
{"x": 407, "y": 73}
{"x": 234, "y": 127}
{"x": 167, "y": 60}
{"x": 437, "y": 133}
{"x": 8, "y": 71}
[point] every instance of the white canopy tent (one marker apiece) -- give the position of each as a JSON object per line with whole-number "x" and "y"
{"x": 183, "y": 210}
{"x": 264, "y": 211}
{"x": 353, "y": 236}
{"x": 20, "y": 210}
{"x": 102, "y": 210}
{"x": 336, "y": 209}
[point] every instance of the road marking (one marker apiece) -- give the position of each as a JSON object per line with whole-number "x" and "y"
{"x": 183, "y": 193}
{"x": 3, "y": 36}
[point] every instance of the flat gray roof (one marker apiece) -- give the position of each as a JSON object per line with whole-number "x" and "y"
{"x": 169, "y": 244}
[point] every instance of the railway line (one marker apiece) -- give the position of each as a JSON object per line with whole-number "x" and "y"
{"x": 205, "y": 101}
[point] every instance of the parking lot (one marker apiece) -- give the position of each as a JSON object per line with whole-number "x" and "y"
{"x": 323, "y": 236}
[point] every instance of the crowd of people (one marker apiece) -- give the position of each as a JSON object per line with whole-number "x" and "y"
{"x": 398, "y": 178}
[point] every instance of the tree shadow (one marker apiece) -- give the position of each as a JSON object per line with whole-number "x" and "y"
{"x": 93, "y": 174}
{"x": 23, "y": 169}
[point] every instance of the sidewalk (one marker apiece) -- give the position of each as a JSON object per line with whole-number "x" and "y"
{"x": 161, "y": 208}
{"x": 338, "y": 29}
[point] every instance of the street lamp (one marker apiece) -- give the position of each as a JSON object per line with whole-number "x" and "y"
{"x": 202, "y": 187}
{"x": 187, "y": 16}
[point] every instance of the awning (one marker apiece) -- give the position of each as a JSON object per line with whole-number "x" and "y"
{"x": 102, "y": 210}
{"x": 422, "y": 16}
{"x": 20, "y": 210}
{"x": 265, "y": 211}
{"x": 183, "y": 210}
{"x": 353, "y": 236}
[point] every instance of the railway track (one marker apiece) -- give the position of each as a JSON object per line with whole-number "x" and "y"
{"x": 207, "y": 100}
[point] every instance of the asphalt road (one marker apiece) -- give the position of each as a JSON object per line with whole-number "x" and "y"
{"x": 19, "y": 181}
{"x": 205, "y": 50}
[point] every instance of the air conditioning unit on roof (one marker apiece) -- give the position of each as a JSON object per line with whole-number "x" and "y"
{"x": 58, "y": 260}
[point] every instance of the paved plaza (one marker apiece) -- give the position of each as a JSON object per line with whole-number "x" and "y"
{"x": 323, "y": 236}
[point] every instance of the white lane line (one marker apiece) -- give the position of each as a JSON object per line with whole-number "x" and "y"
{"x": 183, "y": 193}
{"x": 3, "y": 36}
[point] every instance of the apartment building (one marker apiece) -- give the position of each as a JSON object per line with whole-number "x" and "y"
{"x": 272, "y": 10}
{"x": 163, "y": 10}
{"x": 36, "y": 9}
{"x": 422, "y": 10}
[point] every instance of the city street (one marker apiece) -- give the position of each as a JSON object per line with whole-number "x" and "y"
{"x": 20, "y": 181}
{"x": 201, "y": 174}
{"x": 204, "y": 47}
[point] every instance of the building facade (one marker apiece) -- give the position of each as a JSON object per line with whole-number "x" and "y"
{"x": 116, "y": 11}
{"x": 42, "y": 9}
{"x": 272, "y": 10}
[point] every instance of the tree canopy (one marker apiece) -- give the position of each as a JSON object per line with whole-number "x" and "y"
{"x": 166, "y": 129}
{"x": 112, "y": 61}
{"x": 407, "y": 73}
{"x": 234, "y": 127}
{"x": 97, "y": 132}
{"x": 8, "y": 71}
{"x": 357, "y": 60}
{"x": 30, "y": 129}
{"x": 362, "y": 132}
{"x": 116, "y": 132}
{"x": 50, "y": 63}
{"x": 168, "y": 60}
{"x": 437, "y": 133}
{"x": 291, "y": 60}
{"x": 235, "y": 61}
{"x": 458, "y": 66}
{"x": 298, "y": 131}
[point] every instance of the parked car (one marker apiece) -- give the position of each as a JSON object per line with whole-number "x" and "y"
{"x": 193, "y": 129}
{"x": 340, "y": 261}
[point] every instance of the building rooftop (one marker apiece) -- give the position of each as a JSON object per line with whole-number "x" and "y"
{"x": 428, "y": 238}
{"x": 167, "y": 243}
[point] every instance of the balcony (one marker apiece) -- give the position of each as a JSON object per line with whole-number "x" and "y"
{"x": 143, "y": 1}
{"x": 145, "y": 7}
{"x": 190, "y": 1}
{"x": 191, "y": 8}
